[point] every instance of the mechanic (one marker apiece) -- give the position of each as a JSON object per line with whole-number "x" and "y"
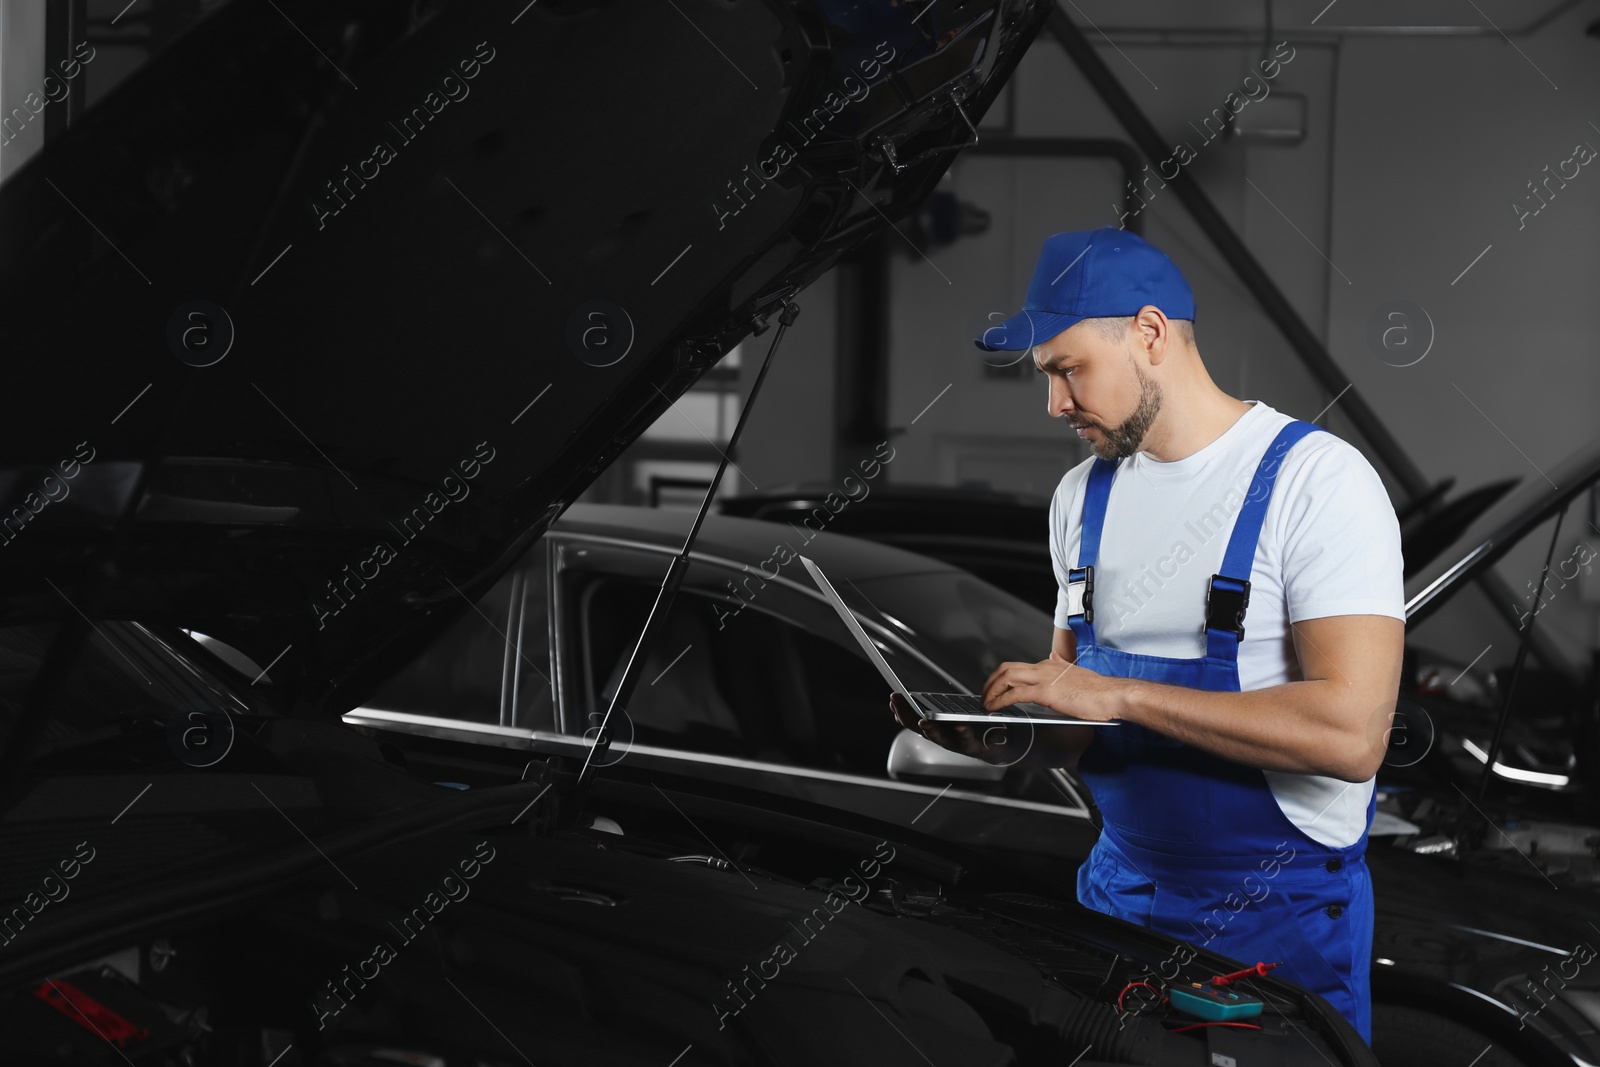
{"x": 1237, "y": 788}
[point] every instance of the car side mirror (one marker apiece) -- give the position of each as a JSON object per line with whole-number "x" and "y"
{"x": 914, "y": 756}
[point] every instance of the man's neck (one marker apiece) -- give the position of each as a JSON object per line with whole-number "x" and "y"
{"x": 1186, "y": 426}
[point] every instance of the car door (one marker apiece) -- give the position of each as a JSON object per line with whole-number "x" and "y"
{"x": 491, "y": 667}
{"x": 767, "y": 690}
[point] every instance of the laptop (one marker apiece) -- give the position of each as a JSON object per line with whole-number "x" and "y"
{"x": 939, "y": 707}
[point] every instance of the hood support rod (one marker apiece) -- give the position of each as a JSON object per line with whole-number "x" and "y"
{"x": 680, "y": 564}
{"x": 1516, "y": 669}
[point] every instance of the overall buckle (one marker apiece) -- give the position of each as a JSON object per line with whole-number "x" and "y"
{"x": 1080, "y": 592}
{"x": 1226, "y": 599}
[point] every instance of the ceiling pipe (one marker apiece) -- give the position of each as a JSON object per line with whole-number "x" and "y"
{"x": 1191, "y": 35}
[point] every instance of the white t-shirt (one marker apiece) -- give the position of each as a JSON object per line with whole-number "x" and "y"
{"x": 1329, "y": 545}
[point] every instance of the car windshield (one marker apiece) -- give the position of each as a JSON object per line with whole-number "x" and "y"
{"x": 122, "y": 675}
{"x": 963, "y": 623}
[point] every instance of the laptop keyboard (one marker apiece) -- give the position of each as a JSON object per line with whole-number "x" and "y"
{"x": 971, "y": 704}
{"x": 959, "y": 702}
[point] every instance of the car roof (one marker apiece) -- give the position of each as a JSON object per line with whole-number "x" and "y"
{"x": 751, "y": 541}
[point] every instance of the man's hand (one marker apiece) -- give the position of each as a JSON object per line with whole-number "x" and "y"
{"x": 1058, "y": 684}
{"x": 954, "y": 736}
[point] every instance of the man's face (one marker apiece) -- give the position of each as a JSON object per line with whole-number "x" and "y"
{"x": 1097, "y": 386}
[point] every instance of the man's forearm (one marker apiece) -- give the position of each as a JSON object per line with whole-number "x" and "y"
{"x": 1303, "y": 727}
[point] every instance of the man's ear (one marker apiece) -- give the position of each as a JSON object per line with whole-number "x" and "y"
{"x": 1155, "y": 332}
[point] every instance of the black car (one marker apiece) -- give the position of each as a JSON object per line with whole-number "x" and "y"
{"x": 998, "y": 536}
{"x": 312, "y": 328}
{"x": 1003, "y": 537}
{"x": 281, "y": 890}
{"x": 755, "y": 683}
{"x": 1546, "y": 763}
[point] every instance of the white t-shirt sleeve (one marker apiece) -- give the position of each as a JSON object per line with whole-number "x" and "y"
{"x": 1340, "y": 538}
{"x": 1060, "y": 519}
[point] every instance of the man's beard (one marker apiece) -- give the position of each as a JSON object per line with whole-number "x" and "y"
{"x": 1125, "y": 439}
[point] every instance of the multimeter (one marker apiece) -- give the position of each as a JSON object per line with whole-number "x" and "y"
{"x": 1206, "y": 1001}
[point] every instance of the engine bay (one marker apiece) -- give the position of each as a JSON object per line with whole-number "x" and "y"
{"x": 630, "y": 937}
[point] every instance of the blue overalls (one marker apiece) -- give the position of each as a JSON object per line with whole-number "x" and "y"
{"x": 1193, "y": 844}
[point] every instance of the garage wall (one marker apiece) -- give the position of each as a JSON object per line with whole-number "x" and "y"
{"x": 1443, "y": 136}
{"x": 993, "y": 430}
{"x": 789, "y": 437}
{"x": 1031, "y": 199}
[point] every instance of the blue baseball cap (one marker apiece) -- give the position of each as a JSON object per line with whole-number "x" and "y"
{"x": 1091, "y": 274}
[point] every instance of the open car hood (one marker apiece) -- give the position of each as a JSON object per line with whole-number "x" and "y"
{"x": 326, "y": 313}
{"x": 1486, "y": 537}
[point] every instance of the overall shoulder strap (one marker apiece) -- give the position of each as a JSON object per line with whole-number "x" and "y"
{"x": 1095, "y": 495}
{"x": 1080, "y": 579}
{"x": 1228, "y": 592}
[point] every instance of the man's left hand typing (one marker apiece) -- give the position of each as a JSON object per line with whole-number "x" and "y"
{"x": 1058, "y": 684}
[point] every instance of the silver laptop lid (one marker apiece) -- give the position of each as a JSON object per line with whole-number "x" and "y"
{"x": 859, "y": 633}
